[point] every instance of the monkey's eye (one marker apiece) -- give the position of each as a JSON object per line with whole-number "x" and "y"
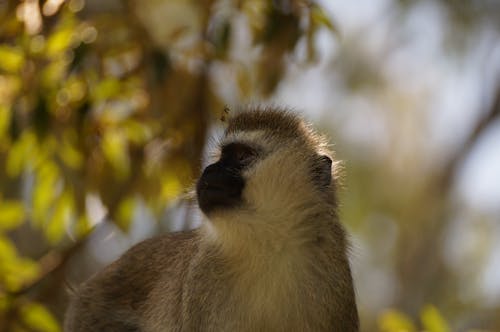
{"x": 239, "y": 154}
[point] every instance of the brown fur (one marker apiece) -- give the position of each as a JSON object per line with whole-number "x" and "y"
{"x": 277, "y": 264}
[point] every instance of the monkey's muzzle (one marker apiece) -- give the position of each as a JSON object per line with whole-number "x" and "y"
{"x": 219, "y": 187}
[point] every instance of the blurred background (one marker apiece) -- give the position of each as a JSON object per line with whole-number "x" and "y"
{"x": 107, "y": 108}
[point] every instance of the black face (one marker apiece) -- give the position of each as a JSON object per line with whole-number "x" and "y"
{"x": 221, "y": 184}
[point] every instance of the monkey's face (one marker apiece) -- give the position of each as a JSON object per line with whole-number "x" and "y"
{"x": 261, "y": 177}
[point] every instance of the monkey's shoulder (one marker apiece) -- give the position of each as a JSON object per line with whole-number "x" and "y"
{"x": 145, "y": 261}
{"x": 114, "y": 298}
{"x": 161, "y": 249}
{"x": 130, "y": 279}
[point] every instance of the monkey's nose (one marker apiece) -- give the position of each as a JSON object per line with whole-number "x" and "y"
{"x": 218, "y": 188}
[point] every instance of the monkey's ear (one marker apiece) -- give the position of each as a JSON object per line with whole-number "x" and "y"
{"x": 323, "y": 171}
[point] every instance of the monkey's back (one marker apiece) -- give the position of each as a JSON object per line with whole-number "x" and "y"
{"x": 116, "y": 298}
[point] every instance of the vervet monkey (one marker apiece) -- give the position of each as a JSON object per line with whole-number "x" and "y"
{"x": 270, "y": 256}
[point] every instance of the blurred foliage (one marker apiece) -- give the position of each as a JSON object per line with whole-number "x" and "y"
{"x": 431, "y": 319}
{"x": 111, "y": 101}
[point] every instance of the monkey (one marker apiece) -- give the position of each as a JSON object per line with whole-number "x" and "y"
{"x": 270, "y": 254}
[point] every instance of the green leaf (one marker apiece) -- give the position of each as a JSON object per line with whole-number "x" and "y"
{"x": 11, "y": 215}
{"x": 39, "y": 318}
{"x": 395, "y": 321}
{"x": 432, "y": 320}
{"x": 11, "y": 58}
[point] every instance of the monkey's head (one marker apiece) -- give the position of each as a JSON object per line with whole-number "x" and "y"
{"x": 271, "y": 168}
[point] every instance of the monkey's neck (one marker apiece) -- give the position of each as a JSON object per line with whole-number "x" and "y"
{"x": 267, "y": 271}
{"x": 249, "y": 244}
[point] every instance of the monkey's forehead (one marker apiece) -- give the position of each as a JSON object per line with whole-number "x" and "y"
{"x": 273, "y": 122}
{"x": 244, "y": 136}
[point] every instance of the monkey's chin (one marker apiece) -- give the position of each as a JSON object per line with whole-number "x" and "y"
{"x": 219, "y": 211}
{"x": 213, "y": 200}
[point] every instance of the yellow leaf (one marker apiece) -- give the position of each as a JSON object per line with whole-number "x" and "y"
{"x": 11, "y": 58}
{"x": 125, "y": 212}
{"x": 4, "y": 302}
{"x": 115, "y": 149}
{"x": 432, "y": 320}
{"x": 44, "y": 191}
{"x": 395, "y": 321}
{"x": 137, "y": 132}
{"x": 76, "y": 89}
{"x": 5, "y": 116}
{"x": 82, "y": 226}
{"x": 11, "y": 214}
{"x": 8, "y": 251}
{"x": 106, "y": 89}
{"x": 69, "y": 154}
{"x": 59, "y": 41}
{"x": 19, "y": 272}
{"x": 39, "y": 318}
{"x": 15, "y": 271}
{"x": 170, "y": 188}
{"x": 63, "y": 211}
{"x": 20, "y": 153}
{"x": 53, "y": 73}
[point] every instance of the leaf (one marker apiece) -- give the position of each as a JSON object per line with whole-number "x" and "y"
{"x": 395, "y": 321}
{"x": 15, "y": 271}
{"x": 432, "y": 320}
{"x": 319, "y": 17}
{"x": 39, "y": 318}
{"x": 170, "y": 183}
{"x": 137, "y": 132}
{"x": 63, "y": 212}
{"x": 59, "y": 41}
{"x": 106, "y": 89}
{"x": 8, "y": 251}
{"x": 44, "y": 191}
{"x": 53, "y": 73}
{"x": 4, "y": 302}
{"x": 82, "y": 226}
{"x": 19, "y": 272}
{"x": 5, "y": 118}
{"x": 125, "y": 212}
{"x": 114, "y": 147}
{"x": 11, "y": 215}
{"x": 70, "y": 155}
{"x": 11, "y": 58}
{"x": 20, "y": 153}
